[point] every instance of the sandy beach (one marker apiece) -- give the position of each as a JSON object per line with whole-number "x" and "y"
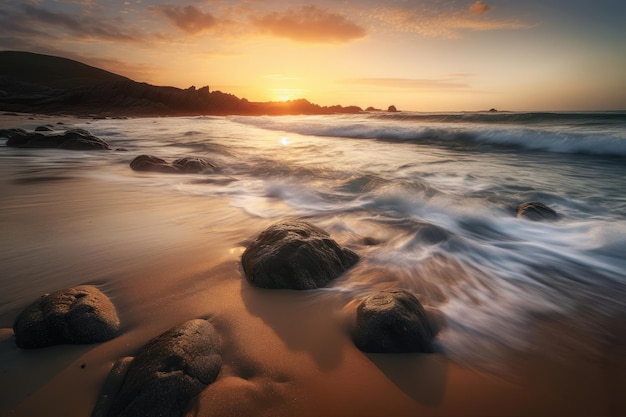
{"x": 164, "y": 258}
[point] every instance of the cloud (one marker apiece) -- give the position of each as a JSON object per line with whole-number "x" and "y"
{"x": 190, "y": 19}
{"x": 478, "y": 8}
{"x": 310, "y": 24}
{"x": 442, "y": 22}
{"x": 81, "y": 27}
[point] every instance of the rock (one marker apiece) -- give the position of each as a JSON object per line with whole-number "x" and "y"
{"x": 295, "y": 255}
{"x": 77, "y": 315}
{"x": 393, "y": 321}
{"x": 536, "y": 211}
{"x": 166, "y": 373}
{"x": 192, "y": 165}
{"x": 189, "y": 165}
{"x": 392, "y": 109}
{"x": 43, "y": 129}
{"x": 73, "y": 139}
{"x": 151, "y": 164}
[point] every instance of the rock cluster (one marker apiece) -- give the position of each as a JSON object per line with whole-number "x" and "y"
{"x": 295, "y": 255}
{"x": 78, "y": 315}
{"x": 188, "y": 165}
{"x": 72, "y": 139}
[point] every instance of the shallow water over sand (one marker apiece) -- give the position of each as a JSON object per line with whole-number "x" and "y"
{"x": 429, "y": 214}
{"x": 438, "y": 215}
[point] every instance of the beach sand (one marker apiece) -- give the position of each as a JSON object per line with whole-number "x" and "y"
{"x": 164, "y": 258}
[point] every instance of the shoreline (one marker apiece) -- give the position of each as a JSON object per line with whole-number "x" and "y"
{"x": 164, "y": 258}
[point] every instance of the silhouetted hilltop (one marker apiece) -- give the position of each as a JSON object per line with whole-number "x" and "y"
{"x": 34, "y": 83}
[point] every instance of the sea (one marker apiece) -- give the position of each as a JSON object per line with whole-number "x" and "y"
{"x": 428, "y": 201}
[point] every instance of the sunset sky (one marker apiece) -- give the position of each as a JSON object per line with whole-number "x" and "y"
{"x": 430, "y": 55}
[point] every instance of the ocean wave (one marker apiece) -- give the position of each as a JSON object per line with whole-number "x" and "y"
{"x": 562, "y": 138}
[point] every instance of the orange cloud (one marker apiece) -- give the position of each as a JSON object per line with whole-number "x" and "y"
{"x": 189, "y": 18}
{"x": 310, "y": 24}
{"x": 479, "y": 7}
{"x": 442, "y": 23}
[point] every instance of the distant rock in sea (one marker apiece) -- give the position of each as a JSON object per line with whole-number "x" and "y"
{"x": 536, "y": 211}
{"x": 165, "y": 374}
{"x": 393, "y": 321}
{"x": 77, "y": 315}
{"x": 73, "y": 139}
{"x": 392, "y": 109}
{"x": 188, "y": 165}
{"x": 295, "y": 255}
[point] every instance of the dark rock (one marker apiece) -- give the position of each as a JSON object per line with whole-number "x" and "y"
{"x": 76, "y": 315}
{"x": 295, "y": 255}
{"x": 80, "y": 139}
{"x": 73, "y": 139}
{"x": 9, "y": 133}
{"x": 493, "y": 110}
{"x": 191, "y": 165}
{"x": 536, "y": 211}
{"x": 151, "y": 164}
{"x": 43, "y": 129}
{"x": 167, "y": 372}
{"x": 393, "y": 321}
{"x": 392, "y": 109}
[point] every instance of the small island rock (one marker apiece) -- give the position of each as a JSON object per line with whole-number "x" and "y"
{"x": 166, "y": 373}
{"x": 77, "y": 315}
{"x": 392, "y": 109}
{"x": 536, "y": 211}
{"x": 393, "y": 321}
{"x": 295, "y": 255}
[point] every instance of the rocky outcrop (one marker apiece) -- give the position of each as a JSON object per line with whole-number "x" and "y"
{"x": 295, "y": 255}
{"x": 392, "y": 109}
{"x": 393, "y": 321}
{"x": 189, "y": 165}
{"x": 536, "y": 211}
{"x": 165, "y": 374}
{"x": 73, "y": 139}
{"x": 77, "y": 315}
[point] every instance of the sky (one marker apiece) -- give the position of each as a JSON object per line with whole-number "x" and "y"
{"x": 420, "y": 55}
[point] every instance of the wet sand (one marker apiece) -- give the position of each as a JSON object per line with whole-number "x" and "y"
{"x": 164, "y": 258}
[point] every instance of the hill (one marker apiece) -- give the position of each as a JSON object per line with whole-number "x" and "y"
{"x": 35, "y": 83}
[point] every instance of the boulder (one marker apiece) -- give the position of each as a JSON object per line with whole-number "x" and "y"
{"x": 295, "y": 255}
{"x": 536, "y": 211}
{"x": 151, "y": 163}
{"x": 392, "y": 109}
{"x": 192, "y": 165}
{"x": 43, "y": 129}
{"x": 393, "y": 321}
{"x": 76, "y": 315}
{"x": 166, "y": 373}
{"x": 188, "y": 165}
{"x": 73, "y": 139}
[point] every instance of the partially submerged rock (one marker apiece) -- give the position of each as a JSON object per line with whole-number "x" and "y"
{"x": 295, "y": 255}
{"x": 78, "y": 315}
{"x": 393, "y": 321}
{"x": 189, "y": 165}
{"x": 536, "y": 211}
{"x": 73, "y": 139}
{"x": 165, "y": 375}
